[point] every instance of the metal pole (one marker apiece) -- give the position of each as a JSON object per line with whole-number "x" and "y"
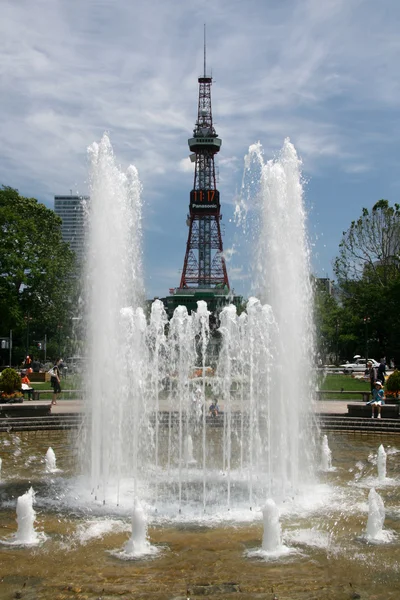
{"x": 27, "y": 335}
{"x": 10, "y": 348}
{"x": 366, "y": 321}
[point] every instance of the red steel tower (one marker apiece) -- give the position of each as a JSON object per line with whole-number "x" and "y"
{"x": 204, "y": 265}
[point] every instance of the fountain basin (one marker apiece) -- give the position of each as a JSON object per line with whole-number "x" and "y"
{"x": 324, "y": 536}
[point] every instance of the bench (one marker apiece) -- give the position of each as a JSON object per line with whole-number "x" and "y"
{"x": 388, "y": 411}
{"x": 25, "y": 410}
{"x": 37, "y": 393}
{"x": 366, "y": 395}
{"x": 38, "y": 377}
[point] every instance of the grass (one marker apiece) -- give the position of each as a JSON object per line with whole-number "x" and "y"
{"x": 338, "y": 382}
{"x": 72, "y": 382}
{"x": 334, "y": 382}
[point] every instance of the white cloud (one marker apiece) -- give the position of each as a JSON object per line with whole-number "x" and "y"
{"x": 185, "y": 165}
{"x": 322, "y": 73}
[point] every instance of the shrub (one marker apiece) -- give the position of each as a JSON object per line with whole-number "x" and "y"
{"x": 10, "y": 381}
{"x": 393, "y": 384}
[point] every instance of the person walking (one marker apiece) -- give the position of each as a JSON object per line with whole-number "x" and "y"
{"x": 377, "y": 399}
{"x": 55, "y": 381}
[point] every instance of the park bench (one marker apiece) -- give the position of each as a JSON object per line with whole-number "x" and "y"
{"x": 388, "y": 411}
{"x": 42, "y": 377}
{"x": 366, "y": 395}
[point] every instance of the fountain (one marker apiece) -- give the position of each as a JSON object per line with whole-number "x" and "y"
{"x": 381, "y": 463}
{"x": 376, "y": 515}
{"x": 50, "y": 460}
{"x": 26, "y": 533}
{"x": 189, "y": 458}
{"x": 144, "y": 431}
{"x": 203, "y": 489}
{"x": 272, "y": 536}
{"x": 138, "y": 545}
{"x": 326, "y": 455}
{"x": 26, "y": 516}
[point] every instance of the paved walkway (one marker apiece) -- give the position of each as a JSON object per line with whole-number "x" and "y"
{"x": 331, "y": 407}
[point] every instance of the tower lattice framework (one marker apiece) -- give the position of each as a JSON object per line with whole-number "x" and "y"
{"x": 204, "y": 265}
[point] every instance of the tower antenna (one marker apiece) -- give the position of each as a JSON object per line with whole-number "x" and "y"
{"x": 204, "y": 50}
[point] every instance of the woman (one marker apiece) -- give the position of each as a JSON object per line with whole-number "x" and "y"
{"x": 55, "y": 381}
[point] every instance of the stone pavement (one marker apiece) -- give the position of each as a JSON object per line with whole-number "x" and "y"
{"x": 331, "y": 407}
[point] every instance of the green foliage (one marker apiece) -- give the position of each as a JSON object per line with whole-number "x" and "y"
{"x": 393, "y": 382}
{"x": 368, "y": 275}
{"x": 10, "y": 381}
{"x": 370, "y": 248}
{"x": 36, "y": 268}
{"x": 326, "y": 323}
{"x": 337, "y": 332}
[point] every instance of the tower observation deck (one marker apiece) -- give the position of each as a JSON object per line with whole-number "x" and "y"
{"x": 204, "y": 273}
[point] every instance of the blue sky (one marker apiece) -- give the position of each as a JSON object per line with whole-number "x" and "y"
{"x": 324, "y": 73}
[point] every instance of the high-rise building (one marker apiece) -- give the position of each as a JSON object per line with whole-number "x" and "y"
{"x": 71, "y": 209}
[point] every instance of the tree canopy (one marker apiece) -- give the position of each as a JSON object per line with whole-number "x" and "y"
{"x": 36, "y": 265}
{"x": 370, "y": 248}
{"x": 365, "y": 318}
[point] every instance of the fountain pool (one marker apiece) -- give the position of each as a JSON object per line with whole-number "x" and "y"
{"x": 329, "y": 558}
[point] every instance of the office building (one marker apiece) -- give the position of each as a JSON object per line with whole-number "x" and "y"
{"x": 71, "y": 209}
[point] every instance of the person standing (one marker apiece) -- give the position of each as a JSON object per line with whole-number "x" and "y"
{"x": 55, "y": 381}
{"x": 372, "y": 373}
{"x": 381, "y": 371}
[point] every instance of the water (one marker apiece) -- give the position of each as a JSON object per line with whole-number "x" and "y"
{"x": 26, "y": 535}
{"x": 323, "y": 531}
{"x": 381, "y": 463}
{"x": 50, "y": 460}
{"x": 274, "y": 220}
{"x": 138, "y": 544}
{"x": 149, "y": 435}
{"x": 26, "y": 519}
{"x": 376, "y": 515}
{"x": 145, "y": 404}
{"x": 189, "y": 458}
{"x": 114, "y": 281}
{"x": 326, "y": 455}
{"x": 272, "y": 535}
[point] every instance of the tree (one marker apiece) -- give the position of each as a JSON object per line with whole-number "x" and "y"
{"x": 368, "y": 274}
{"x": 370, "y": 248}
{"x": 36, "y": 266}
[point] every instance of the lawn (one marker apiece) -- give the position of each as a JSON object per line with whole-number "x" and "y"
{"x": 339, "y": 382}
{"x": 72, "y": 382}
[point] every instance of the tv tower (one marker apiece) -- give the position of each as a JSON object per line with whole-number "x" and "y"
{"x": 204, "y": 264}
{"x": 204, "y": 274}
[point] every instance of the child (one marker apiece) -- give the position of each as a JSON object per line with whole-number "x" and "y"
{"x": 214, "y": 408}
{"x": 377, "y": 399}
